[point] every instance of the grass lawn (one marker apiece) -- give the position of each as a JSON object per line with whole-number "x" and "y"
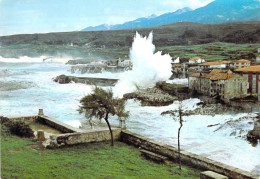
{"x": 20, "y": 159}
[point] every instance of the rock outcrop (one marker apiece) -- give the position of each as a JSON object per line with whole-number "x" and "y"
{"x": 254, "y": 134}
{"x": 213, "y": 109}
{"x": 151, "y": 97}
{"x": 181, "y": 91}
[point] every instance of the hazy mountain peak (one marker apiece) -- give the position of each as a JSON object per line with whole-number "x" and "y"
{"x": 180, "y": 11}
{"x": 218, "y": 11}
{"x": 152, "y": 16}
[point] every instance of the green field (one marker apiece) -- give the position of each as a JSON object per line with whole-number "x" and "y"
{"x": 22, "y": 158}
{"x": 210, "y": 51}
{"x": 214, "y": 51}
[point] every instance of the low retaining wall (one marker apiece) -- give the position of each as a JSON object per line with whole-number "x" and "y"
{"x": 186, "y": 157}
{"x": 71, "y": 135}
{"x": 62, "y": 127}
{"x": 87, "y": 137}
{"x": 25, "y": 119}
{"x": 57, "y": 124}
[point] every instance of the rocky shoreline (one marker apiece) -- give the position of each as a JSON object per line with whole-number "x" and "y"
{"x": 151, "y": 97}
{"x": 254, "y": 135}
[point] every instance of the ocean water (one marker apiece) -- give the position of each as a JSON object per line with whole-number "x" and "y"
{"x": 27, "y": 87}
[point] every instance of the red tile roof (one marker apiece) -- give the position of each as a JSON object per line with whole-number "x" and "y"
{"x": 255, "y": 68}
{"x": 243, "y": 60}
{"x": 177, "y": 64}
{"x": 195, "y": 58}
{"x": 222, "y": 76}
{"x": 203, "y": 75}
{"x": 214, "y": 63}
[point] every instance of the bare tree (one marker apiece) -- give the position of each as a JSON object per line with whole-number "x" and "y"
{"x": 177, "y": 116}
{"x": 100, "y": 104}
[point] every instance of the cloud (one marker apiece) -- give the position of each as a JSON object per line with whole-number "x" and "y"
{"x": 186, "y": 3}
{"x": 117, "y": 19}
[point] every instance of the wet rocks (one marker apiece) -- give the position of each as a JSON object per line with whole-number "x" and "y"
{"x": 172, "y": 89}
{"x": 254, "y": 134}
{"x": 63, "y": 79}
{"x": 179, "y": 90}
{"x": 213, "y": 109}
{"x": 151, "y": 97}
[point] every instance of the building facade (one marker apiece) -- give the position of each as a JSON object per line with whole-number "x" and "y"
{"x": 215, "y": 64}
{"x": 252, "y": 74}
{"x": 219, "y": 83}
{"x": 241, "y": 63}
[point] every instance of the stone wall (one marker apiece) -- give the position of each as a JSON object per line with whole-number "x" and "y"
{"x": 236, "y": 87}
{"x": 186, "y": 157}
{"x": 25, "y": 119}
{"x": 57, "y": 124}
{"x": 87, "y": 137}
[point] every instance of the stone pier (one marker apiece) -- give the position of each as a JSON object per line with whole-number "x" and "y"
{"x": 63, "y": 79}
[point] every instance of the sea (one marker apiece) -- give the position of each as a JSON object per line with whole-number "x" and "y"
{"x": 26, "y": 85}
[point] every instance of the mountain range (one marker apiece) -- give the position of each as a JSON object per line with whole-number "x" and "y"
{"x": 218, "y": 11}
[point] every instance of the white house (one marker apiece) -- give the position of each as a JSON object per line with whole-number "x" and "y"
{"x": 177, "y": 60}
{"x": 196, "y": 60}
{"x": 241, "y": 63}
{"x": 214, "y": 64}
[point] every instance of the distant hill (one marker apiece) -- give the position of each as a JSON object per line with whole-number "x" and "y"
{"x": 218, "y": 11}
{"x": 182, "y": 33}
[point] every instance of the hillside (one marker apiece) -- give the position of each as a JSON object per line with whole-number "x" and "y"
{"x": 174, "y": 34}
{"x": 190, "y": 38}
{"x": 218, "y": 11}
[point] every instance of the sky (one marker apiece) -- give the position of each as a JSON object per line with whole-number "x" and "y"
{"x": 42, "y": 16}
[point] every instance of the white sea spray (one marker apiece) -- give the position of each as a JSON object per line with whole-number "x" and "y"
{"x": 148, "y": 67}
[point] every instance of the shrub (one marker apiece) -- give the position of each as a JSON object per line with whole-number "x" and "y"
{"x": 18, "y": 128}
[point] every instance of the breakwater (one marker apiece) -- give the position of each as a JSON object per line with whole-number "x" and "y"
{"x": 63, "y": 79}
